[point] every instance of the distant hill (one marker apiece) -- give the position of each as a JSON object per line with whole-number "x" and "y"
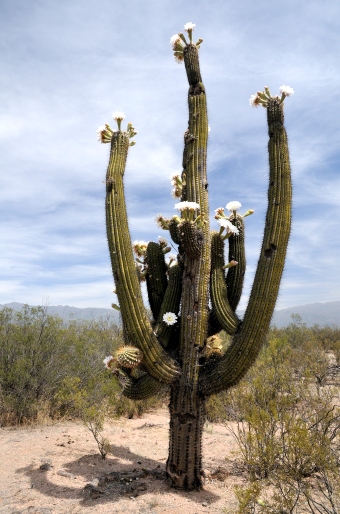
{"x": 322, "y": 314}
{"x": 68, "y": 313}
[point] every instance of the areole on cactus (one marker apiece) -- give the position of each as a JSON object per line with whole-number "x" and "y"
{"x": 194, "y": 296}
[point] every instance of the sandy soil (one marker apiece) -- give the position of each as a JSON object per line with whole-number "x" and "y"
{"x": 69, "y": 454}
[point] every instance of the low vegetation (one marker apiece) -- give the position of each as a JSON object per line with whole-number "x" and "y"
{"x": 287, "y": 408}
{"x": 49, "y": 369}
{"x": 287, "y": 411}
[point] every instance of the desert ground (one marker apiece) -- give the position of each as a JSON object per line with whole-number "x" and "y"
{"x": 57, "y": 468}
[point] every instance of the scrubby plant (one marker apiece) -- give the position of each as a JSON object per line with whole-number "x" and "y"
{"x": 40, "y": 355}
{"x": 91, "y": 403}
{"x": 288, "y": 434}
{"x": 176, "y": 345}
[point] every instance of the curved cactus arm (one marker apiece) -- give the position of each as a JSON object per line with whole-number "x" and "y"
{"x": 214, "y": 326}
{"x": 218, "y": 288}
{"x": 141, "y": 388}
{"x": 247, "y": 342}
{"x": 156, "y": 279}
{"x": 173, "y": 229}
{"x": 171, "y": 303}
{"x": 235, "y": 275}
{"x": 136, "y": 321}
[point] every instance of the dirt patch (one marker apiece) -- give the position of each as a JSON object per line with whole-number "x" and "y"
{"x": 57, "y": 469}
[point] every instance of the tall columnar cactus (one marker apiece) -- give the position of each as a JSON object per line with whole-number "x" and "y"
{"x": 179, "y": 346}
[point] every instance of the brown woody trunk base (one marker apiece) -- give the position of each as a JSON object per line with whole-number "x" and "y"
{"x": 187, "y": 416}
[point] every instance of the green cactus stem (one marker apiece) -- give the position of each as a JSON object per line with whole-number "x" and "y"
{"x": 136, "y": 322}
{"x": 171, "y": 303}
{"x": 156, "y": 277}
{"x": 219, "y": 295}
{"x": 141, "y": 388}
{"x": 235, "y": 276}
{"x": 248, "y": 341}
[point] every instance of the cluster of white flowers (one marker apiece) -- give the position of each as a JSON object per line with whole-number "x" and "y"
{"x": 100, "y": 130}
{"x": 104, "y": 133}
{"x": 178, "y": 41}
{"x": 226, "y": 224}
{"x": 169, "y": 318}
{"x": 219, "y": 212}
{"x": 231, "y": 206}
{"x": 177, "y": 45}
{"x": 139, "y": 248}
{"x": 162, "y": 241}
{"x": 176, "y": 181}
{"x": 162, "y": 222}
{"x": 262, "y": 97}
{"x": 131, "y": 132}
{"x": 171, "y": 259}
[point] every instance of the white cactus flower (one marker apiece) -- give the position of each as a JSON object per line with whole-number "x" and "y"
{"x": 233, "y": 206}
{"x": 107, "y": 361}
{"x": 118, "y": 116}
{"x": 169, "y": 318}
{"x": 230, "y": 228}
{"x": 189, "y": 26}
{"x": 162, "y": 241}
{"x": 286, "y": 90}
{"x": 192, "y": 206}
{"x": 253, "y": 100}
{"x": 174, "y": 40}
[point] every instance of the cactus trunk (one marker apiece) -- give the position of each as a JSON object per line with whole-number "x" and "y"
{"x": 187, "y": 416}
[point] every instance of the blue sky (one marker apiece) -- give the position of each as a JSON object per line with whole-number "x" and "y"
{"x": 66, "y": 66}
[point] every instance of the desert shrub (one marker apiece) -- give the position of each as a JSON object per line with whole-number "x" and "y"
{"x": 49, "y": 368}
{"x": 33, "y": 358}
{"x": 288, "y": 429}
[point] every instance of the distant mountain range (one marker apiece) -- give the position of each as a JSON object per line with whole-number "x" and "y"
{"x": 323, "y": 314}
{"x": 68, "y": 313}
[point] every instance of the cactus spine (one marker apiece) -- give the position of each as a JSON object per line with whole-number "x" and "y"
{"x": 180, "y": 347}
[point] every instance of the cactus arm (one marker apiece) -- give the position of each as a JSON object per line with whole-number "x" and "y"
{"x": 156, "y": 280}
{"x": 247, "y": 342}
{"x": 235, "y": 276}
{"x": 171, "y": 303}
{"x": 136, "y": 322}
{"x": 173, "y": 229}
{"x": 218, "y": 288}
{"x": 141, "y": 388}
{"x": 214, "y": 326}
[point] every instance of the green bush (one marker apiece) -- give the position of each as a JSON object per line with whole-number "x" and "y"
{"x": 42, "y": 359}
{"x": 288, "y": 428}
